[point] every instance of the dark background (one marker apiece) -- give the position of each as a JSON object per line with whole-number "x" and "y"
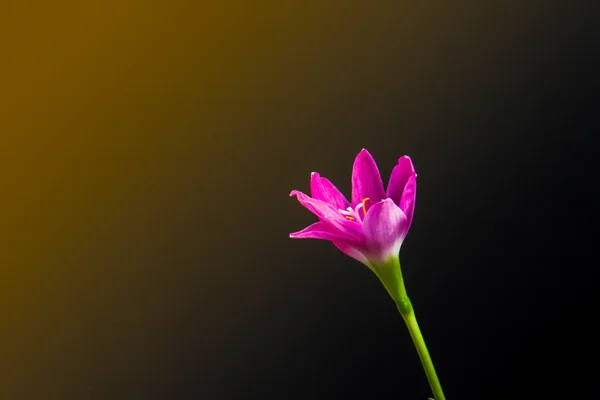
{"x": 148, "y": 154}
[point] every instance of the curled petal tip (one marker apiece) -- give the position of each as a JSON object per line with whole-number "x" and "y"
{"x": 407, "y": 162}
{"x": 366, "y": 179}
{"x": 405, "y": 157}
{"x": 322, "y": 189}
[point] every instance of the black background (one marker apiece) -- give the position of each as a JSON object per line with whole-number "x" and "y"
{"x": 181, "y": 281}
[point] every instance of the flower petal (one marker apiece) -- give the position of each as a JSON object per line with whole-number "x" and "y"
{"x": 351, "y": 251}
{"x": 322, "y": 189}
{"x": 399, "y": 178}
{"x": 366, "y": 180}
{"x": 402, "y": 187}
{"x": 383, "y": 230}
{"x": 329, "y": 215}
{"x": 318, "y": 230}
{"x": 407, "y": 202}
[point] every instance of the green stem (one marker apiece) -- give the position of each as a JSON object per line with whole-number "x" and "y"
{"x": 408, "y": 314}
{"x": 417, "y": 337}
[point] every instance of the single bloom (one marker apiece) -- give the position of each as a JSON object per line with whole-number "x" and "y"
{"x": 372, "y": 226}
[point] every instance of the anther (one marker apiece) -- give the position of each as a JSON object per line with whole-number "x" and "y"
{"x": 363, "y": 205}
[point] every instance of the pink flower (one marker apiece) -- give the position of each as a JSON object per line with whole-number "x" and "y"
{"x": 371, "y": 229}
{"x": 373, "y": 226}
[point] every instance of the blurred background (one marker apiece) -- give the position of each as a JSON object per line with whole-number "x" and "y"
{"x": 147, "y": 151}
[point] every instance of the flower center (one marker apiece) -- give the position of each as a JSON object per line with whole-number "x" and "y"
{"x": 354, "y": 214}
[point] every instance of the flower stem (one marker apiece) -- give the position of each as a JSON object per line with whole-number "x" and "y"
{"x": 408, "y": 314}
{"x": 417, "y": 337}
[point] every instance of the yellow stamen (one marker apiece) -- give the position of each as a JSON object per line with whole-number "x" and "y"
{"x": 349, "y": 217}
{"x": 363, "y": 205}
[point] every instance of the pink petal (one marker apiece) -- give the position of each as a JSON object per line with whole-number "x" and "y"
{"x": 366, "y": 180}
{"x": 329, "y": 215}
{"x": 384, "y": 229}
{"x": 323, "y": 189}
{"x": 351, "y": 251}
{"x": 399, "y": 178}
{"x": 407, "y": 202}
{"x": 318, "y": 230}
